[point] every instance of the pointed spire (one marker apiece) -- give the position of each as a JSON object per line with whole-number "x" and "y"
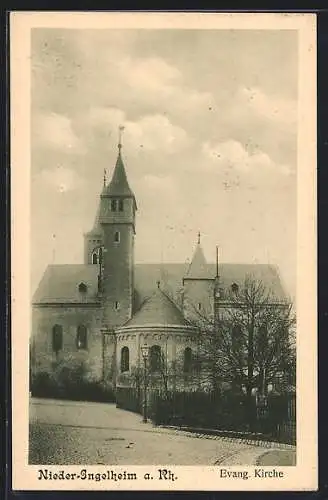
{"x": 119, "y": 185}
{"x": 198, "y": 267}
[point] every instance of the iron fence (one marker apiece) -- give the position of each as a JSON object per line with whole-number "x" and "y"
{"x": 273, "y": 419}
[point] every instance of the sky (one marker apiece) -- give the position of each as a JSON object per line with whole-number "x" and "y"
{"x": 210, "y": 141}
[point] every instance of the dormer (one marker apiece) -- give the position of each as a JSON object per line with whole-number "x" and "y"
{"x": 82, "y": 288}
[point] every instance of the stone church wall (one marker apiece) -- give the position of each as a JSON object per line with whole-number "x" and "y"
{"x": 198, "y": 299}
{"x": 43, "y": 320}
{"x": 172, "y": 343}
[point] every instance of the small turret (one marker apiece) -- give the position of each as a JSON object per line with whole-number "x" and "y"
{"x": 198, "y": 268}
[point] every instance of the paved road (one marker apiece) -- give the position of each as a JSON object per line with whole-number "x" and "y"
{"x": 68, "y": 433}
{"x": 282, "y": 457}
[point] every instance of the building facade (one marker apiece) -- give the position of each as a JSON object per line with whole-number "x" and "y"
{"x": 104, "y": 310}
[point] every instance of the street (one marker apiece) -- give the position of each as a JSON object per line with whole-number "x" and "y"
{"x": 67, "y": 433}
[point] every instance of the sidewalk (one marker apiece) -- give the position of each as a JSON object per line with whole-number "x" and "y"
{"x": 257, "y": 457}
{"x": 277, "y": 457}
{"x": 241, "y": 437}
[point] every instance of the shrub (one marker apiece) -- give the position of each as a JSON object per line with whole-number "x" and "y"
{"x": 199, "y": 409}
{"x": 43, "y": 386}
{"x": 71, "y": 379}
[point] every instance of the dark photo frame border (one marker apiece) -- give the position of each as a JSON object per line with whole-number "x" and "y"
{"x": 322, "y": 207}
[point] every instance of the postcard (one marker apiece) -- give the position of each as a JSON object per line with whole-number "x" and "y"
{"x": 163, "y": 194}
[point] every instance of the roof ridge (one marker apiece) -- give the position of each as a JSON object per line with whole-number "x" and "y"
{"x": 173, "y": 302}
{"x": 146, "y": 299}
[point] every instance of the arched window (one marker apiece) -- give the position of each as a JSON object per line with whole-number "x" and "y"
{"x": 234, "y": 288}
{"x": 95, "y": 258}
{"x": 117, "y": 237}
{"x": 113, "y": 205}
{"x": 155, "y": 358}
{"x": 187, "y": 360}
{"x": 236, "y": 335}
{"x": 120, "y": 205}
{"x": 57, "y": 338}
{"x": 81, "y": 337}
{"x": 125, "y": 361}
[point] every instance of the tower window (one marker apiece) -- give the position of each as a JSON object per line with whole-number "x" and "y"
{"x": 199, "y": 306}
{"x": 117, "y": 237}
{"x": 114, "y": 205}
{"x": 234, "y": 288}
{"x": 120, "y": 205}
{"x": 81, "y": 337}
{"x": 57, "y": 338}
{"x": 117, "y": 306}
{"x": 125, "y": 362}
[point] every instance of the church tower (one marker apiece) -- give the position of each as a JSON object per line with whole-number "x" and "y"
{"x": 117, "y": 219}
{"x": 198, "y": 287}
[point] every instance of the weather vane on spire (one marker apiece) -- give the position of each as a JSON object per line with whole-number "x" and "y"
{"x": 120, "y": 133}
{"x": 198, "y": 237}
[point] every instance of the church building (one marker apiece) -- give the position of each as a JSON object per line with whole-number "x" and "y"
{"x": 105, "y": 310}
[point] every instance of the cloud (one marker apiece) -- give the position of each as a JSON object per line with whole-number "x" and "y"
{"x": 232, "y": 154}
{"x": 156, "y": 133}
{"x": 55, "y": 131}
{"x": 203, "y": 109}
{"x": 159, "y": 183}
{"x": 154, "y": 82}
{"x": 273, "y": 108}
{"x": 152, "y": 133}
{"x": 99, "y": 117}
{"x": 61, "y": 179}
{"x": 152, "y": 73}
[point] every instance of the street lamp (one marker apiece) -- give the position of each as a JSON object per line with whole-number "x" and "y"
{"x": 145, "y": 354}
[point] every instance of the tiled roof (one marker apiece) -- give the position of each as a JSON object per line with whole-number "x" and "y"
{"x": 236, "y": 273}
{"x": 60, "y": 282}
{"x": 158, "y": 309}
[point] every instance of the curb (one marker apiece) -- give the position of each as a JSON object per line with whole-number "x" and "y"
{"x": 249, "y": 457}
{"x": 257, "y": 461}
{"x": 251, "y": 439}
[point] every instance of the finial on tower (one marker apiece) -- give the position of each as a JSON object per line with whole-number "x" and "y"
{"x": 198, "y": 236}
{"x": 105, "y": 174}
{"x": 120, "y": 133}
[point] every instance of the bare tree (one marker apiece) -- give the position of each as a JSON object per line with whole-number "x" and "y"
{"x": 249, "y": 341}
